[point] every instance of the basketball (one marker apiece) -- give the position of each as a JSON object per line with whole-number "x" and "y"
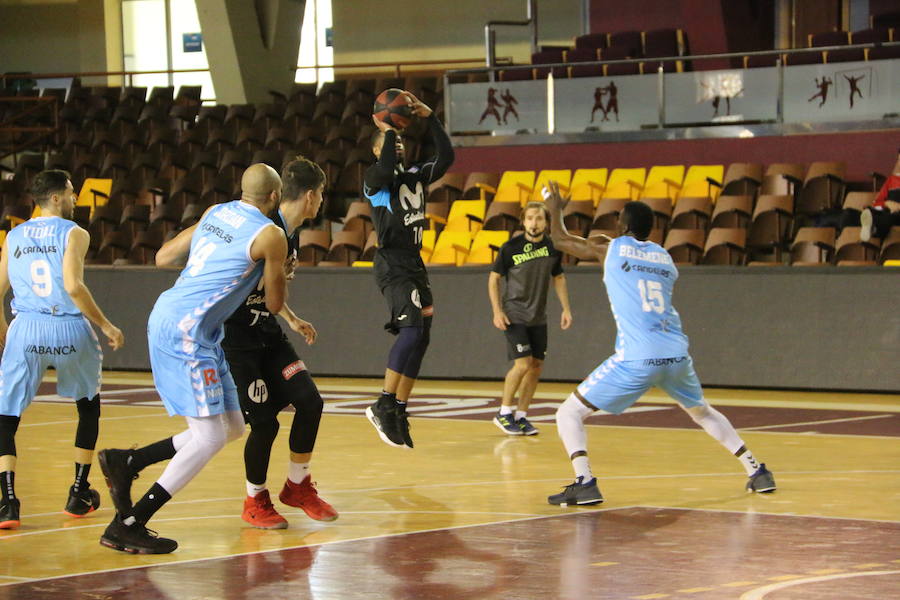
{"x": 391, "y": 107}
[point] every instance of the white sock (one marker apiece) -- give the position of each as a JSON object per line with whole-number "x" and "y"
{"x": 297, "y": 472}
{"x": 750, "y": 463}
{"x": 506, "y": 410}
{"x": 254, "y": 490}
{"x": 582, "y": 467}
{"x": 520, "y": 414}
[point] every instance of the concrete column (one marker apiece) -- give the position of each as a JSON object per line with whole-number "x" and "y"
{"x": 252, "y": 47}
{"x": 115, "y": 59}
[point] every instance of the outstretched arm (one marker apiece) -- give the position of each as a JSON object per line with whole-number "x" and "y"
{"x": 381, "y": 173}
{"x": 73, "y": 280}
{"x": 443, "y": 157}
{"x": 585, "y": 249}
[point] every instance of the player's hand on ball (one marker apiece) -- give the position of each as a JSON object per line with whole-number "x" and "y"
{"x": 381, "y": 124}
{"x": 501, "y": 321}
{"x": 114, "y": 335}
{"x": 419, "y": 108}
{"x": 305, "y": 329}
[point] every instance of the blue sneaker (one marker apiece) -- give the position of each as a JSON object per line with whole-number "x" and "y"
{"x": 508, "y": 424}
{"x": 762, "y": 482}
{"x": 526, "y": 427}
{"x": 578, "y": 493}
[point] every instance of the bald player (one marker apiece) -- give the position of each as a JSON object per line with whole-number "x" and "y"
{"x": 229, "y": 249}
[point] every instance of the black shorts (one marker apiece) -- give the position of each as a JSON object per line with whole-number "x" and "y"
{"x": 266, "y": 378}
{"x": 524, "y": 340}
{"x": 405, "y": 286}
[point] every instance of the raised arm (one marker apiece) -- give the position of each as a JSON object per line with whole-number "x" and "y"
{"x": 73, "y": 280}
{"x": 444, "y": 156}
{"x": 271, "y": 246}
{"x": 585, "y": 249}
{"x": 381, "y": 173}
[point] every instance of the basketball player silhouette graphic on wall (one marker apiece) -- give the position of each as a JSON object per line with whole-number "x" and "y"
{"x": 854, "y": 87}
{"x": 823, "y": 86}
{"x": 510, "y": 101}
{"x": 492, "y": 105}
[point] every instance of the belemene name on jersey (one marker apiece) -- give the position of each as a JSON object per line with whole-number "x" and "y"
{"x": 218, "y": 232}
{"x": 20, "y": 250}
{"x": 661, "y": 258}
{"x": 37, "y": 232}
{"x": 227, "y": 215}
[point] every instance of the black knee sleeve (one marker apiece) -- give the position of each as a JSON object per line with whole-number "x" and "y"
{"x": 405, "y": 346}
{"x": 8, "y": 427}
{"x": 308, "y": 406}
{"x": 414, "y": 362}
{"x": 258, "y": 449}
{"x": 88, "y": 422}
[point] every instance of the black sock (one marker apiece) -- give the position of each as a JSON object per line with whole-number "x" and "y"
{"x": 147, "y": 506}
{"x": 8, "y": 483}
{"x": 81, "y": 476}
{"x": 387, "y": 398}
{"x": 154, "y": 453}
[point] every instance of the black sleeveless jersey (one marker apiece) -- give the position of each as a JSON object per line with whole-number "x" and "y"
{"x": 252, "y": 325}
{"x": 397, "y": 195}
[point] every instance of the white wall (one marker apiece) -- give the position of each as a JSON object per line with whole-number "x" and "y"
{"x": 397, "y": 30}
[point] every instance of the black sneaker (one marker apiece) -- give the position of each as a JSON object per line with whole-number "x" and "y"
{"x": 578, "y": 493}
{"x": 507, "y": 424}
{"x": 135, "y": 539}
{"x": 9, "y": 513}
{"x": 762, "y": 481}
{"x": 403, "y": 418}
{"x": 82, "y": 502}
{"x": 389, "y": 419}
{"x": 526, "y": 427}
{"x": 119, "y": 475}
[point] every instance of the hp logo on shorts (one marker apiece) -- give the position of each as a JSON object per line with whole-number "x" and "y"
{"x": 258, "y": 391}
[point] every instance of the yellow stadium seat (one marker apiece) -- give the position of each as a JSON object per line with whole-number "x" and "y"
{"x": 515, "y": 186}
{"x": 466, "y": 215}
{"x": 94, "y": 192}
{"x": 625, "y": 183}
{"x": 664, "y": 182}
{"x": 428, "y": 239}
{"x": 588, "y": 184}
{"x": 2, "y": 237}
{"x": 485, "y": 246}
{"x": 36, "y": 212}
{"x": 452, "y": 248}
{"x": 892, "y": 263}
{"x": 563, "y": 177}
{"x": 366, "y": 264}
{"x": 697, "y": 185}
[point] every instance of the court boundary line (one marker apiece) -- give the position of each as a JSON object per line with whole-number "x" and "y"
{"x": 575, "y": 511}
{"x": 358, "y": 539}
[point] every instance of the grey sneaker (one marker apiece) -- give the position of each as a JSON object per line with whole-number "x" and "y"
{"x": 508, "y": 424}
{"x": 762, "y": 481}
{"x": 578, "y": 493}
{"x": 865, "y": 222}
{"x": 526, "y": 427}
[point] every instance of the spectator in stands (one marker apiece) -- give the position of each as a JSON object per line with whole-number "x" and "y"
{"x": 885, "y": 210}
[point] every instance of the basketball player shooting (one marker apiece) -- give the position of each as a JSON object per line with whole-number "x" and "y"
{"x": 397, "y": 195}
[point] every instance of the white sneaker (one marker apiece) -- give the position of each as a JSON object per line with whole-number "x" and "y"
{"x": 865, "y": 222}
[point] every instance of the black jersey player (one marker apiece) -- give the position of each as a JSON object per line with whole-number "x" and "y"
{"x": 397, "y": 195}
{"x": 270, "y": 376}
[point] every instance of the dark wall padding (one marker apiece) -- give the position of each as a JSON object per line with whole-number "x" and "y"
{"x": 818, "y": 328}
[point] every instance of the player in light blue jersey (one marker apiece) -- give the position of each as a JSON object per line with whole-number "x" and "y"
{"x": 43, "y": 262}
{"x": 651, "y": 349}
{"x": 228, "y": 250}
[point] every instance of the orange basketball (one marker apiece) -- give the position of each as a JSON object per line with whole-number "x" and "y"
{"x": 391, "y": 107}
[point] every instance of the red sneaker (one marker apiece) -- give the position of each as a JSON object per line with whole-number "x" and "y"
{"x": 259, "y": 512}
{"x": 304, "y": 495}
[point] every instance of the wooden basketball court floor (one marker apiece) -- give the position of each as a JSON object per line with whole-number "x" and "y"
{"x": 465, "y": 515}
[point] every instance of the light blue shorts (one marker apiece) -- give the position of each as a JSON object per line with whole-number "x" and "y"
{"x": 34, "y": 343}
{"x": 192, "y": 380}
{"x": 617, "y": 384}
